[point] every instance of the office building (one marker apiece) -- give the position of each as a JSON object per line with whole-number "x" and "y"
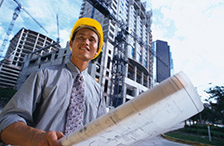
{"x": 162, "y": 61}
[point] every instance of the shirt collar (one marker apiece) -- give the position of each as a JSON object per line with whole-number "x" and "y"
{"x": 74, "y": 70}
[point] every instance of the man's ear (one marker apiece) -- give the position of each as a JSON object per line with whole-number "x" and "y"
{"x": 70, "y": 43}
{"x": 97, "y": 50}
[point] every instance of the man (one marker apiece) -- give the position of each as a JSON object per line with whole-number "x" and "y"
{"x": 38, "y": 112}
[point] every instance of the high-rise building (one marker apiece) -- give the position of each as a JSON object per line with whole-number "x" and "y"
{"x": 162, "y": 61}
{"x": 25, "y": 42}
{"x": 22, "y": 44}
{"x": 135, "y": 51}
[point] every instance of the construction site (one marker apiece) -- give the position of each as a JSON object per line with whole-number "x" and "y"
{"x": 124, "y": 68}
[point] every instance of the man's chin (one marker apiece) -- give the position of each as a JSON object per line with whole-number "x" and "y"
{"x": 87, "y": 58}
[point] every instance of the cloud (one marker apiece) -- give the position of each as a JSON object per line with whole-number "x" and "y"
{"x": 64, "y": 37}
{"x": 45, "y": 13}
{"x": 68, "y": 13}
{"x": 195, "y": 37}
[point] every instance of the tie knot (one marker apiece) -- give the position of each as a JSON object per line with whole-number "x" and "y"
{"x": 80, "y": 78}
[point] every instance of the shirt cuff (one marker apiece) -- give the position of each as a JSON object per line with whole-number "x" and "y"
{"x": 8, "y": 120}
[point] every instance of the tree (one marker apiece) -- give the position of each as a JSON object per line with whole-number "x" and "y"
{"x": 216, "y": 100}
{"x": 5, "y": 95}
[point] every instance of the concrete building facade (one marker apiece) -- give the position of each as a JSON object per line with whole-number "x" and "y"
{"x": 22, "y": 44}
{"x": 137, "y": 48}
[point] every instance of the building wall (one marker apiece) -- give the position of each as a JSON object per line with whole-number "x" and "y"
{"x": 137, "y": 49}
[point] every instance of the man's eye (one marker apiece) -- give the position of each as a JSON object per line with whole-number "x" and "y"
{"x": 80, "y": 38}
{"x": 92, "y": 40}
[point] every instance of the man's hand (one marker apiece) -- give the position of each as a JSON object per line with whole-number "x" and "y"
{"x": 21, "y": 134}
{"x": 51, "y": 139}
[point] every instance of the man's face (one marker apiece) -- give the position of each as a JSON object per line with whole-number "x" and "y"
{"x": 85, "y": 45}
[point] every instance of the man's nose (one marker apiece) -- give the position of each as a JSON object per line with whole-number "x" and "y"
{"x": 86, "y": 41}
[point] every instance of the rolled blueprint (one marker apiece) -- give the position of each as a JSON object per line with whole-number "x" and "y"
{"x": 147, "y": 115}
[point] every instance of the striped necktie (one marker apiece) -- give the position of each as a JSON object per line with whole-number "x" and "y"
{"x": 76, "y": 107}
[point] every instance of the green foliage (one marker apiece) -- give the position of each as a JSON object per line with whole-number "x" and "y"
{"x": 196, "y": 138}
{"x": 203, "y": 130}
{"x": 208, "y": 115}
{"x": 7, "y": 92}
{"x": 216, "y": 100}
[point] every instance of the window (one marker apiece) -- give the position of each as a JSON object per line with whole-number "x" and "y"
{"x": 106, "y": 86}
{"x": 139, "y": 77}
{"x": 108, "y": 62}
{"x": 107, "y": 73}
{"x": 111, "y": 35}
{"x": 98, "y": 68}
{"x": 130, "y": 72}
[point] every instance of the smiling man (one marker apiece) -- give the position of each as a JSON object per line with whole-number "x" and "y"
{"x": 57, "y": 100}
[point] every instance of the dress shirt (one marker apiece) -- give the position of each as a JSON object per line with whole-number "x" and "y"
{"x": 43, "y": 99}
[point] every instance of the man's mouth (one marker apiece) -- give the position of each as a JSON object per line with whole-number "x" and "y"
{"x": 87, "y": 49}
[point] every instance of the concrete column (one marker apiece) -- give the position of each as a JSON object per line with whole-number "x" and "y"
{"x": 135, "y": 73}
{"x": 124, "y": 93}
{"x": 136, "y": 92}
{"x": 142, "y": 78}
{"x": 92, "y": 69}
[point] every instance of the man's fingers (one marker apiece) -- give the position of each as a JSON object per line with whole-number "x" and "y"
{"x": 52, "y": 138}
{"x": 59, "y": 135}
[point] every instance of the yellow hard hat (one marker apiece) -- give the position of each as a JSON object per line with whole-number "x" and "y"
{"x": 91, "y": 24}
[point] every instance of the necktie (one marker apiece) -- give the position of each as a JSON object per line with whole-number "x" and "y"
{"x": 76, "y": 106}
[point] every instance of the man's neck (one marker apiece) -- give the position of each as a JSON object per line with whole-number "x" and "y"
{"x": 81, "y": 65}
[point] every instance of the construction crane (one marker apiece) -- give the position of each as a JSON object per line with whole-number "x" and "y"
{"x": 58, "y": 39}
{"x": 1, "y": 1}
{"x": 15, "y": 16}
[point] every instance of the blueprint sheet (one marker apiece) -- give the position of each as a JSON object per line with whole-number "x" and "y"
{"x": 147, "y": 115}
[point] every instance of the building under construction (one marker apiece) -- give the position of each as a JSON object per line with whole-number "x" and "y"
{"x": 22, "y": 44}
{"x": 124, "y": 69}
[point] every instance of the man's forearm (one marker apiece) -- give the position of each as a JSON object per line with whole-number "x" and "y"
{"x": 21, "y": 134}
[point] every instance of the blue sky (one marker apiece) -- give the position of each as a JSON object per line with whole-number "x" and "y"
{"x": 193, "y": 29}
{"x": 44, "y": 11}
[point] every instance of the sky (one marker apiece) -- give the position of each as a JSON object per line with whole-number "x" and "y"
{"x": 193, "y": 29}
